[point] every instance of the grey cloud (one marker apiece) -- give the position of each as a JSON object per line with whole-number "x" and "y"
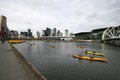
{"x": 76, "y": 15}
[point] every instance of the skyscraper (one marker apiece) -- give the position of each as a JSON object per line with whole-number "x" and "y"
{"x": 43, "y": 32}
{"x": 59, "y": 33}
{"x": 48, "y": 32}
{"x": 3, "y": 23}
{"x": 29, "y": 33}
{"x": 54, "y": 32}
{"x": 66, "y": 33}
{"x": 3, "y": 26}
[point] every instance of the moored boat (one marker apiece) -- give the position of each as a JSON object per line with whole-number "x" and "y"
{"x": 16, "y": 41}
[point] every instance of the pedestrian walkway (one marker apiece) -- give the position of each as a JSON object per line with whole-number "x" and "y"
{"x": 10, "y": 66}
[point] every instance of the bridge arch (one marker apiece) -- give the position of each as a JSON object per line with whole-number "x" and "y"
{"x": 111, "y": 32}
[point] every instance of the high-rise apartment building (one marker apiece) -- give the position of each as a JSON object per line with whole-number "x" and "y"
{"x": 43, "y": 32}
{"x": 48, "y": 32}
{"x": 54, "y": 32}
{"x": 3, "y": 27}
{"x": 29, "y": 33}
{"x": 66, "y": 33}
{"x": 58, "y": 33}
{"x": 3, "y": 23}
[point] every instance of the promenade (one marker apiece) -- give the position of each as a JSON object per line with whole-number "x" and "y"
{"x": 11, "y": 67}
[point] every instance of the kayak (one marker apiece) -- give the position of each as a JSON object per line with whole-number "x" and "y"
{"x": 99, "y": 59}
{"x": 88, "y": 58}
{"x": 98, "y": 54}
{"x": 81, "y": 57}
{"x": 16, "y": 41}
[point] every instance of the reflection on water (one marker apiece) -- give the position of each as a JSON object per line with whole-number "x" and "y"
{"x": 58, "y": 63}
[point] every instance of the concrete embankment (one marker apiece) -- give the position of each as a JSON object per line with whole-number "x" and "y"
{"x": 27, "y": 66}
{"x": 91, "y": 41}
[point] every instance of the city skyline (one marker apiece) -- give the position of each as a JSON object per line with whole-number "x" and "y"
{"x": 74, "y": 15}
{"x": 48, "y": 32}
{"x": 55, "y": 32}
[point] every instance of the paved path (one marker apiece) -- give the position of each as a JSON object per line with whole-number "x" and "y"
{"x": 10, "y": 67}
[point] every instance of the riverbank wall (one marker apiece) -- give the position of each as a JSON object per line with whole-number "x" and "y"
{"x": 27, "y": 65}
{"x": 91, "y": 41}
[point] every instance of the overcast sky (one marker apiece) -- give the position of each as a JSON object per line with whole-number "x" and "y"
{"x": 74, "y": 15}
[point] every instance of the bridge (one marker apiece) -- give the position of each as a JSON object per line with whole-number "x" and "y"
{"x": 112, "y": 35}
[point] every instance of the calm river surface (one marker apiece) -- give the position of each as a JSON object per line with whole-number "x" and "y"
{"x": 58, "y": 64}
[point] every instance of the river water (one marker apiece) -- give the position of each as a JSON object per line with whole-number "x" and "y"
{"x": 58, "y": 64}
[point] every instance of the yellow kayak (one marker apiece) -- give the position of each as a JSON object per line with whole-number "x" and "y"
{"x": 99, "y": 59}
{"x": 81, "y": 57}
{"x": 16, "y": 41}
{"x": 88, "y": 58}
{"x": 98, "y": 54}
